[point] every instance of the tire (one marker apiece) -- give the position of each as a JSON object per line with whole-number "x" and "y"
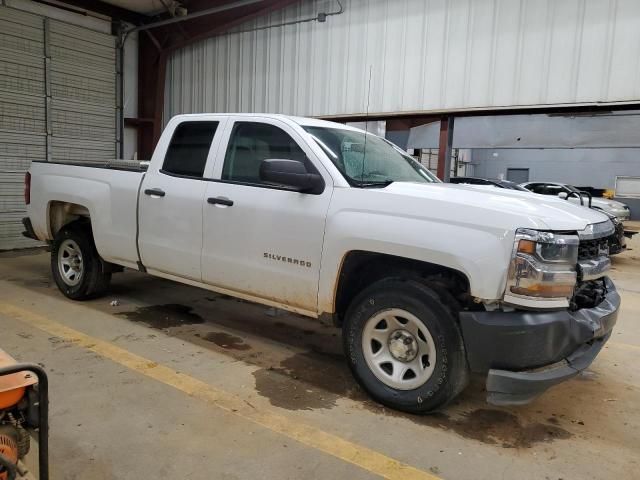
{"x": 75, "y": 263}
{"x": 418, "y": 324}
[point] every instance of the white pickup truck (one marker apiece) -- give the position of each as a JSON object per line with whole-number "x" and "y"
{"x": 429, "y": 281}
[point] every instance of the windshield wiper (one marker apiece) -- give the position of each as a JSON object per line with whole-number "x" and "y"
{"x": 381, "y": 184}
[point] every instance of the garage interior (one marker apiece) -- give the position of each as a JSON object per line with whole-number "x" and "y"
{"x": 159, "y": 379}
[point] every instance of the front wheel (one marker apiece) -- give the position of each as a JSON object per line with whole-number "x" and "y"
{"x": 76, "y": 265}
{"x": 404, "y": 346}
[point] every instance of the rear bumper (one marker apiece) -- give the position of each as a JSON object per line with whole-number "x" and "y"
{"x": 525, "y": 353}
{"x": 28, "y": 229}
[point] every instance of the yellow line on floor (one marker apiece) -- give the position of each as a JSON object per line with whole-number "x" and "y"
{"x": 328, "y": 443}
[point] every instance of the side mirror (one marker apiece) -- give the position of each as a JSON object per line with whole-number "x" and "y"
{"x": 292, "y": 174}
{"x": 563, "y": 195}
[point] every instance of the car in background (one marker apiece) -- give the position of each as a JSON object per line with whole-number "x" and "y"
{"x": 496, "y": 182}
{"x": 571, "y": 193}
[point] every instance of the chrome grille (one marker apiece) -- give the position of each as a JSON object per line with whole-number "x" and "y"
{"x": 594, "y": 240}
{"x": 590, "y": 249}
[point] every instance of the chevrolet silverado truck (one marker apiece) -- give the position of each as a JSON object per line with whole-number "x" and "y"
{"x": 430, "y": 282}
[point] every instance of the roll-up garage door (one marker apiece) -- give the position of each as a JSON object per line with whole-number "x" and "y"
{"x": 22, "y": 115}
{"x": 83, "y": 93}
{"x": 58, "y": 102}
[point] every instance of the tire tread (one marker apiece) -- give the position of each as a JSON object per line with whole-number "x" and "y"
{"x": 96, "y": 281}
{"x": 433, "y": 295}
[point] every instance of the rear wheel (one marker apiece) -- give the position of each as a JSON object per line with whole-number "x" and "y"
{"x": 404, "y": 346}
{"x": 76, "y": 266}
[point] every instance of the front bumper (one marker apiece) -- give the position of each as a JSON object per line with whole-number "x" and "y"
{"x": 525, "y": 353}
{"x": 618, "y": 241}
{"x": 622, "y": 214}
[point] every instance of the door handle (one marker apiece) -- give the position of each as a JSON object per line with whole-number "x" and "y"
{"x": 220, "y": 201}
{"x": 154, "y": 192}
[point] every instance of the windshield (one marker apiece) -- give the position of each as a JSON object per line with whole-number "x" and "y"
{"x": 368, "y": 160}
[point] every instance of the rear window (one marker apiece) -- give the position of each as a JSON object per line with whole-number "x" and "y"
{"x": 189, "y": 148}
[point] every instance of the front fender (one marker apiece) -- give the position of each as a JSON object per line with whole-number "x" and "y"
{"x": 482, "y": 254}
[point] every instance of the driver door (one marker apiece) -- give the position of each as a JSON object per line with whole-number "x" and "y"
{"x": 262, "y": 240}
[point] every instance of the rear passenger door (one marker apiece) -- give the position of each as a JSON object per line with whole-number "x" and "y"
{"x": 260, "y": 240}
{"x": 171, "y": 196}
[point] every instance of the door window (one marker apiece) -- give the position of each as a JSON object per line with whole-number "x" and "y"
{"x": 537, "y": 188}
{"x": 546, "y": 188}
{"x": 250, "y": 144}
{"x": 477, "y": 181}
{"x": 554, "y": 190}
{"x": 189, "y": 148}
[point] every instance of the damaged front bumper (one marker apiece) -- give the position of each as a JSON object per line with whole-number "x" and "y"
{"x": 524, "y": 353}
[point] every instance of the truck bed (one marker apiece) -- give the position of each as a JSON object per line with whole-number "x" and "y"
{"x": 116, "y": 164}
{"x": 109, "y": 191}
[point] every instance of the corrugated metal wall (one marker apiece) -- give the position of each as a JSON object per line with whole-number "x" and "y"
{"x": 425, "y": 55}
{"x": 57, "y": 102}
{"x": 615, "y": 129}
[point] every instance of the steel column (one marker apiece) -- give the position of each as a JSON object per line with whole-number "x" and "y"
{"x": 444, "y": 148}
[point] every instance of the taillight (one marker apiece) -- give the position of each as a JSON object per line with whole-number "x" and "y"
{"x": 27, "y": 188}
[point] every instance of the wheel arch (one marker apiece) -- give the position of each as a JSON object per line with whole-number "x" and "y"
{"x": 61, "y": 213}
{"x": 360, "y": 268}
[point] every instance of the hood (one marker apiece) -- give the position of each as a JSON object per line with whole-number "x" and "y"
{"x": 508, "y": 208}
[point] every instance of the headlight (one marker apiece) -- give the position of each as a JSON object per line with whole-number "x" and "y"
{"x": 543, "y": 266}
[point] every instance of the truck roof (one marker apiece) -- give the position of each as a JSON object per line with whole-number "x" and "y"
{"x": 303, "y": 121}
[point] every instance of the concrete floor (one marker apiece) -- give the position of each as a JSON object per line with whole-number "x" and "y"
{"x": 114, "y": 417}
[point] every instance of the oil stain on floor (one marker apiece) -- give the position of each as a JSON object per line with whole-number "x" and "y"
{"x": 497, "y": 427}
{"x": 226, "y": 341}
{"x": 309, "y": 381}
{"x": 163, "y": 316}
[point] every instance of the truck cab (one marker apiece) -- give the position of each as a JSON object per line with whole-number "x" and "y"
{"x": 208, "y": 188}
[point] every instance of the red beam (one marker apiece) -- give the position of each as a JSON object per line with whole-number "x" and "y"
{"x": 152, "y": 64}
{"x": 444, "y": 148}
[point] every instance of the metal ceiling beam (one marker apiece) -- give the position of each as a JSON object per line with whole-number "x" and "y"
{"x": 191, "y": 16}
{"x": 200, "y": 32}
{"x": 97, "y": 6}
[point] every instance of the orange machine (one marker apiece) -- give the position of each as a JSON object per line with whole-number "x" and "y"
{"x": 23, "y": 407}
